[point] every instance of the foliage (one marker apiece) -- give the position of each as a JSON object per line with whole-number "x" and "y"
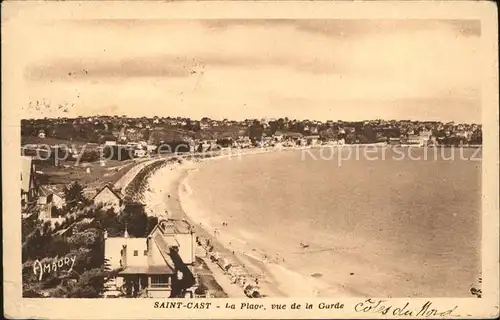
{"x": 85, "y": 246}
{"x": 109, "y": 221}
{"x": 73, "y": 194}
{"x": 152, "y": 222}
{"x": 135, "y": 189}
{"x": 87, "y": 238}
{"x": 136, "y": 220}
{"x": 89, "y": 156}
{"x": 29, "y": 225}
{"x": 90, "y": 284}
{"x": 256, "y": 131}
{"x": 35, "y": 244}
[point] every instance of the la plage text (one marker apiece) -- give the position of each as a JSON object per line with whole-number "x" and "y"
{"x": 203, "y": 305}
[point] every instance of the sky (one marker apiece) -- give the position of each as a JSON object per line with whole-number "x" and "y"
{"x": 238, "y": 69}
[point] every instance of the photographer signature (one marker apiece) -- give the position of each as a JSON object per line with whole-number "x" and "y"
{"x": 39, "y": 268}
{"x": 425, "y": 310}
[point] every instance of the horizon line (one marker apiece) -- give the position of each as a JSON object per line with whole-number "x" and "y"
{"x": 244, "y": 119}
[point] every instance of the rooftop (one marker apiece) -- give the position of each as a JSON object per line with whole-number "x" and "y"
{"x": 165, "y": 269}
{"x": 174, "y": 226}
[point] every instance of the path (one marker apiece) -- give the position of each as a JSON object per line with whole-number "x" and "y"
{"x": 231, "y": 289}
{"x": 124, "y": 181}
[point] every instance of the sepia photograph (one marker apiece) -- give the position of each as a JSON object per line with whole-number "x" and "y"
{"x": 185, "y": 161}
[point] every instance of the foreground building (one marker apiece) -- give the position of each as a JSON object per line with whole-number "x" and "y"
{"x": 50, "y": 199}
{"x": 109, "y": 199}
{"x": 159, "y": 265}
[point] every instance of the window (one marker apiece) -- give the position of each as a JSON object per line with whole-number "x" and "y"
{"x": 160, "y": 281}
{"x": 145, "y": 252}
{"x": 136, "y": 253}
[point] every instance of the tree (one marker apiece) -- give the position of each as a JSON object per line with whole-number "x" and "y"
{"x": 256, "y": 131}
{"x": 281, "y": 124}
{"x": 273, "y": 127}
{"x": 57, "y": 247}
{"x": 85, "y": 239}
{"x": 109, "y": 221}
{"x": 328, "y": 134}
{"x": 152, "y": 222}
{"x": 73, "y": 194}
{"x": 34, "y": 245}
{"x": 136, "y": 219}
{"x": 477, "y": 137}
{"x": 29, "y": 225}
{"x": 368, "y": 134}
{"x": 90, "y": 284}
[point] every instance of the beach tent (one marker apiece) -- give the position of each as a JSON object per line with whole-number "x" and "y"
{"x": 236, "y": 270}
{"x": 252, "y": 291}
{"x": 228, "y": 264}
{"x": 222, "y": 262}
{"x": 213, "y": 256}
{"x": 242, "y": 281}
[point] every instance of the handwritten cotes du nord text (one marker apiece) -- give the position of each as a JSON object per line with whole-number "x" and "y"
{"x": 381, "y": 307}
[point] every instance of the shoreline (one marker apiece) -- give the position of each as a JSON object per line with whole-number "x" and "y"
{"x": 275, "y": 278}
{"x": 169, "y": 194}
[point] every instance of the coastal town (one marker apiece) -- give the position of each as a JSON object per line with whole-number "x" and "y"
{"x": 90, "y": 230}
{"x": 146, "y": 133}
{"x": 249, "y": 160}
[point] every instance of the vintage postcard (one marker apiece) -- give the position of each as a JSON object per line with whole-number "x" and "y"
{"x": 247, "y": 160}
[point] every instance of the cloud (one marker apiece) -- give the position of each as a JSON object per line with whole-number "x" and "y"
{"x": 168, "y": 66}
{"x": 343, "y": 28}
{"x": 297, "y": 67}
{"x": 91, "y": 69}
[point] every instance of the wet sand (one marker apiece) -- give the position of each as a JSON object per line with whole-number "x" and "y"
{"x": 345, "y": 256}
{"x": 169, "y": 194}
{"x": 274, "y": 278}
{"x": 400, "y": 229}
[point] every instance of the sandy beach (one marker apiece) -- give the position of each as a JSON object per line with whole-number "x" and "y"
{"x": 348, "y": 252}
{"x": 169, "y": 194}
{"x": 274, "y": 278}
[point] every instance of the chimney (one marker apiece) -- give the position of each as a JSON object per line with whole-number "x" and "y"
{"x": 124, "y": 256}
{"x": 125, "y": 234}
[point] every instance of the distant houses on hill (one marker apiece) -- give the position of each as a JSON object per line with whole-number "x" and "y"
{"x": 152, "y": 130}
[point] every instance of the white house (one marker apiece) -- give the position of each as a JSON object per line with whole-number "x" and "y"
{"x": 50, "y": 197}
{"x": 109, "y": 199}
{"x": 153, "y": 266}
{"x": 139, "y": 153}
